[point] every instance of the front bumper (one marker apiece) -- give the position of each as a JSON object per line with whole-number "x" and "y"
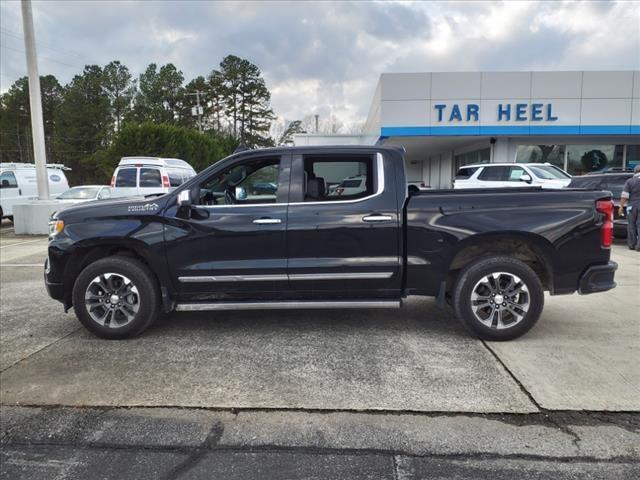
{"x": 598, "y": 278}
{"x": 54, "y": 289}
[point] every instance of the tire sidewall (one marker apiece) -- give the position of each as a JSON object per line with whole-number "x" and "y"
{"x": 147, "y": 293}
{"x": 472, "y": 274}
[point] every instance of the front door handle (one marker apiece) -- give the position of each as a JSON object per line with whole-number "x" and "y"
{"x": 267, "y": 221}
{"x": 377, "y": 218}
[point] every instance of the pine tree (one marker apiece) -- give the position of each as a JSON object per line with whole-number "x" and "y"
{"x": 120, "y": 89}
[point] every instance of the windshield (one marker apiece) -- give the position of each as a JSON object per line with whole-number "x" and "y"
{"x": 80, "y": 193}
{"x": 548, "y": 172}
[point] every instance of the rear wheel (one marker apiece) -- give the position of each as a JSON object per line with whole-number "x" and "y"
{"x": 498, "y": 298}
{"x": 116, "y": 297}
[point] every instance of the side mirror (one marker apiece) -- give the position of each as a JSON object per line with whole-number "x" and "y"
{"x": 184, "y": 198}
{"x": 241, "y": 193}
{"x": 525, "y": 178}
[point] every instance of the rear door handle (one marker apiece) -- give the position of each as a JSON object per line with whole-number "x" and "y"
{"x": 267, "y": 221}
{"x": 377, "y": 218}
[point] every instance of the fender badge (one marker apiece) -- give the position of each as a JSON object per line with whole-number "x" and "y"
{"x": 147, "y": 207}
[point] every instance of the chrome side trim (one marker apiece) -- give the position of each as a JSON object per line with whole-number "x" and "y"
{"x": 287, "y": 305}
{"x": 340, "y": 276}
{"x": 282, "y": 277}
{"x": 233, "y": 278}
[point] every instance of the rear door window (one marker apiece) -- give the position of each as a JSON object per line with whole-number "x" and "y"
{"x": 615, "y": 184}
{"x": 175, "y": 177}
{"x": 494, "y": 174}
{"x": 331, "y": 179}
{"x": 514, "y": 174}
{"x": 150, "y": 178}
{"x": 465, "y": 173}
{"x": 8, "y": 180}
{"x": 126, "y": 177}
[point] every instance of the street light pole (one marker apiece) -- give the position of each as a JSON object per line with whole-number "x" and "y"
{"x": 35, "y": 102}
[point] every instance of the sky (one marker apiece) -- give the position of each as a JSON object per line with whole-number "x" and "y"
{"x": 324, "y": 57}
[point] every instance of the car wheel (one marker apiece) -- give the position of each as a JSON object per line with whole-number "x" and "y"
{"x": 498, "y": 298}
{"x": 116, "y": 297}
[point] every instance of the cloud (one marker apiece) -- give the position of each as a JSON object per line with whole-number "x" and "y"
{"x": 325, "y": 57}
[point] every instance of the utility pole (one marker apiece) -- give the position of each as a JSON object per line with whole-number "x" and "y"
{"x": 35, "y": 102}
{"x": 198, "y": 109}
{"x": 317, "y": 117}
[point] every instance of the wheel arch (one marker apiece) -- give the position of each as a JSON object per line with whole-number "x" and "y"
{"x": 533, "y": 250}
{"x": 86, "y": 254}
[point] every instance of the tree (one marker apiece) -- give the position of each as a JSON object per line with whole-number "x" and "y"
{"x": 198, "y": 87}
{"x": 160, "y": 94}
{"x": 120, "y": 89}
{"x": 83, "y": 122}
{"x": 162, "y": 140}
{"x": 216, "y": 96}
{"x": 287, "y": 136}
{"x": 15, "y": 119}
{"x": 246, "y": 100}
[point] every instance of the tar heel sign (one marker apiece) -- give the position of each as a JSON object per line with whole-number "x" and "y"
{"x": 504, "y": 112}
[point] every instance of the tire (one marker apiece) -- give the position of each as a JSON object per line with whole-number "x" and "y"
{"x": 478, "y": 286}
{"x": 127, "y": 283}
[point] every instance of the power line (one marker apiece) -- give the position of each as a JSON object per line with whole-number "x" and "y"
{"x": 7, "y": 47}
{"x": 41, "y": 44}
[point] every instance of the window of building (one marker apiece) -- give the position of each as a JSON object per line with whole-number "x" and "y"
{"x": 331, "y": 179}
{"x": 126, "y": 177}
{"x": 476, "y": 156}
{"x": 583, "y": 159}
{"x": 8, "y": 180}
{"x": 633, "y": 156}
{"x": 553, "y": 154}
{"x": 150, "y": 177}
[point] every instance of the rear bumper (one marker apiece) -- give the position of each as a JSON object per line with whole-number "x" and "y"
{"x": 598, "y": 278}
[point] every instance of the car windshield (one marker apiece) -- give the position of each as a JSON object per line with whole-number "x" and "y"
{"x": 548, "y": 172}
{"x": 80, "y": 193}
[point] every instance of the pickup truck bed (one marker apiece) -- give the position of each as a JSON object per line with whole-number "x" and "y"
{"x": 336, "y": 228}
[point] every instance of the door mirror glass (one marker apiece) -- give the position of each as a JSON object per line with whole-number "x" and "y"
{"x": 184, "y": 198}
{"x": 525, "y": 178}
{"x": 241, "y": 193}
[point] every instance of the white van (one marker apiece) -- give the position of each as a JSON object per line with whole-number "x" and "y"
{"x": 148, "y": 175}
{"x": 18, "y": 183}
{"x": 501, "y": 175}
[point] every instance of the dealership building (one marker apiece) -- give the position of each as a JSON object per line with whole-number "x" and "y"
{"x": 580, "y": 121}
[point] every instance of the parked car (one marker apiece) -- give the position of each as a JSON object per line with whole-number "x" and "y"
{"x": 149, "y": 175}
{"x": 501, "y": 175}
{"x": 18, "y": 183}
{"x": 417, "y": 187}
{"x": 614, "y": 182}
{"x": 85, "y": 193}
{"x": 119, "y": 262}
{"x": 349, "y": 186}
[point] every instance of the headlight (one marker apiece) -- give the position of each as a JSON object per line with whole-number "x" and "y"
{"x": 55, "y": 227}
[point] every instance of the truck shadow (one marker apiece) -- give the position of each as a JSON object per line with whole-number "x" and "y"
{"x": 417, "y": 315}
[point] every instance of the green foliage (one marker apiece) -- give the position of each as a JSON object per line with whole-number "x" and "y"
{"x": 103, "y": 114}
{"x": 162, "y": 140}
{"x": 15, "y": 124}
{"x": 83, "y": 123}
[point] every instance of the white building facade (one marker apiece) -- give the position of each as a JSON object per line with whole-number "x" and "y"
{"x": 580, "y": 121}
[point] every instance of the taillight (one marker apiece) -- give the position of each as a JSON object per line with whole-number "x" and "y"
{"x": 165, "y": 181}
{"x": 113, "y": 181}
{"x": 606, "y": 232}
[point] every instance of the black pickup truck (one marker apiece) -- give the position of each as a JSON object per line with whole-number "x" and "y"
{"x": 327, "y": 227}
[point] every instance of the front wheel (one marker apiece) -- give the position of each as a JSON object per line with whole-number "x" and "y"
{"x": 116, "y": 297}
{"x": 498, "y": 298}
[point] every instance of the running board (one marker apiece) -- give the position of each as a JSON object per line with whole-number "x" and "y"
{"x": 287, "y": 305}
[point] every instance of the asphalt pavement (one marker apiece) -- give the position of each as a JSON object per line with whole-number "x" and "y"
{"x": 317, "y": 394}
